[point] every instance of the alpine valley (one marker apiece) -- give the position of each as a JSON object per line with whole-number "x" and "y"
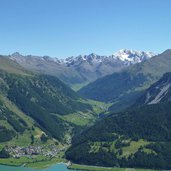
{"x": 105, "y": 111}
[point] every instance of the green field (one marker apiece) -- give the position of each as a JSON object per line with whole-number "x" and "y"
{"x": 85, "y": 118}
{"x": 79, "y": 118}
{"x": 37, "y": 162}
{"x": 77, "y": 87}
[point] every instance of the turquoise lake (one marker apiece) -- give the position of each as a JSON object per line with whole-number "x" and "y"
{"x": 58, "y": 167}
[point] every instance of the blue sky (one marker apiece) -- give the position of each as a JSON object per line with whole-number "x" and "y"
{"x": 62, "y": 28}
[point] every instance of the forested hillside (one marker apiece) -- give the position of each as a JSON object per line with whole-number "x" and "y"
{"x": 136, "y": 138}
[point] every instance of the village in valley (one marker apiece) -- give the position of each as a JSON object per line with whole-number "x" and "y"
{"x": 30, "y": 151}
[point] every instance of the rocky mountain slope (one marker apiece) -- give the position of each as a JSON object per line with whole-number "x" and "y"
{"x": 125, "y": 87}
{"x": 83, "y": 68}
{"x": 158, "y": 92}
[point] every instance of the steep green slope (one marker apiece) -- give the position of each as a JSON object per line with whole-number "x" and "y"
{"x": 17, "y": 129}
{"x": 139, "y": 137}
{"x": 125, "y": 87}
{"x": 43, "y": 98}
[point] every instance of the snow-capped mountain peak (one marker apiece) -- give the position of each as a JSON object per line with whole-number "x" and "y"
{"x": 132, "y": 56}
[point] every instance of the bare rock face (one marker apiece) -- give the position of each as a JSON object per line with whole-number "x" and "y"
{"x": 159, "y": 92}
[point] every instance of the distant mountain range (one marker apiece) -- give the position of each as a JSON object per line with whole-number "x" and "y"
{"x": 83, "y": 68}
{"x": 123, "y": 88}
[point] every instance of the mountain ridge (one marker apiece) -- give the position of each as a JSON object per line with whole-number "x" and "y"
{"x": 82, "y": 68}
{"x": 122, "y": 54}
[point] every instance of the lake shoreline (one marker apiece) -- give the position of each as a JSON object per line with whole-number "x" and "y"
{"x": 70, "y": 166}
{"x": 56, "y": 167}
